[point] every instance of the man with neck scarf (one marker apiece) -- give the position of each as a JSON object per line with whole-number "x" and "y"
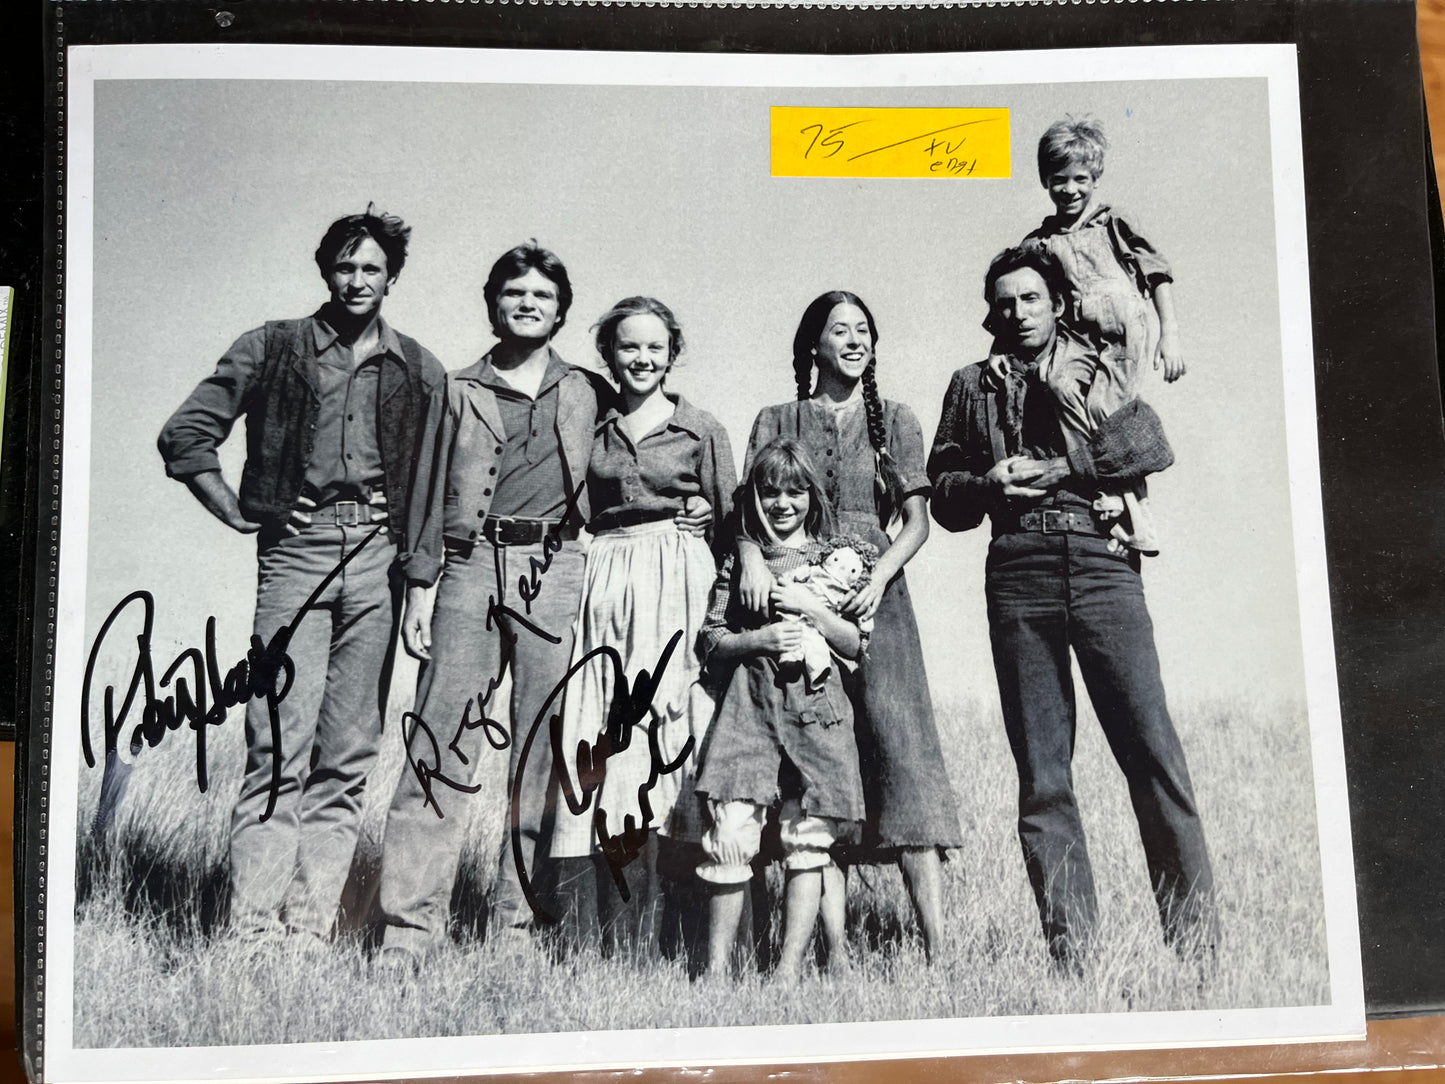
{"x": 1055, "y": 581}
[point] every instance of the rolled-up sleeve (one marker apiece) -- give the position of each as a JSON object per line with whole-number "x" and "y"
{"x": 1152, "y": 267}
{"x": 961, "y": 496}
{"x": 719, "y": 480}
{"x": 189, "y": 439}
{"x": 426, "y": 508}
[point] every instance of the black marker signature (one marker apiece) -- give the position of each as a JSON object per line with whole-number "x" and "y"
{"x": 203, "y": 697}
{"x": 529, "y": 587}
{"x": 630, "y": 704}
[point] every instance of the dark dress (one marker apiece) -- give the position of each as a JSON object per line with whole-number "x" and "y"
{"x": 772, "y": 723}
{"x": 909, "y": 800}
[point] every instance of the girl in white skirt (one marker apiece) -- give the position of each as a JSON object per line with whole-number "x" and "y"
{"x": 627, "y": 797}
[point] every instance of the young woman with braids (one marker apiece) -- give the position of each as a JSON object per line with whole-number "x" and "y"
{"x": 871, "y": 454}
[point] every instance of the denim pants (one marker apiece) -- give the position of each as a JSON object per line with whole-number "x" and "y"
{"x": 295, "y": 863}
{"x": 472, "y": 647}
{"x": 1048, "y": 593}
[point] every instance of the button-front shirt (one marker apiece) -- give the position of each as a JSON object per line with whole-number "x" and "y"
{"x": 347, "y": 414}
{"x": 345, "y": 458}
{"x": 461, "y": 457}
{"x": 529, "y": 476}
{"x": 686, "y": 455}
{"x": 838, "y": 443}
{"x": 981, "y": 426}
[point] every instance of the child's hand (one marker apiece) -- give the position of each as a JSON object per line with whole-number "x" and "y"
{"x": 1110, "y": 506}
{"x": 781, "y": 638}
{"x": 756, "y": 582}
{"x": 995, "y": 372}
{"x": 1172, "y": 357}
{"x": 794, "y": 598}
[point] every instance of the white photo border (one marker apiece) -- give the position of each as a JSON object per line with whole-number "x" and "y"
{"x": 1342, "y": 1018}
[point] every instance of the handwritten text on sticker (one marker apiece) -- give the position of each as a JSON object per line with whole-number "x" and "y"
{"x": 811, "y": 141}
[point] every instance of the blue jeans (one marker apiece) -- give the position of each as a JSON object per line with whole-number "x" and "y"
{"x": 1048, "y": 593}
{"x": 293, "y": 866}
{"x": 427, "y": 822}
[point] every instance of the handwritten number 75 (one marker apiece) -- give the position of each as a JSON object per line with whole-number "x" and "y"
{"x": 832, "y": 141}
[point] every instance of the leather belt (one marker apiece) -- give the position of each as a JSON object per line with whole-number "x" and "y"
{"x": 523, "y": 531}
{"x": 1058, "y": 521}
{"x": 347, "y": 514}
{"x": 631, "y": 518}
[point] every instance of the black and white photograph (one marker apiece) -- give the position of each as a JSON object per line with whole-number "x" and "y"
{"x": 587, "y": 559}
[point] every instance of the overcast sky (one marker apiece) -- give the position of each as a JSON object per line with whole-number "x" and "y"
{"x": 210, "y": 198}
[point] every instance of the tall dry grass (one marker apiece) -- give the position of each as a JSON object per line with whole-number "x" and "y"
{"x": 152, "y": 967}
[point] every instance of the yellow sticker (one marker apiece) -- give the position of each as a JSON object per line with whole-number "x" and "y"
{"x": 810, "y": 141}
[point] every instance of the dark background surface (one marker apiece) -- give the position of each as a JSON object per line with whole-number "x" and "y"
{"x": 1377, "y": 377}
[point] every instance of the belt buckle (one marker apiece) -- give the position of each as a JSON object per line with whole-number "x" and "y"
{"x": 1055, "y": 525}
{"x": 500, "y": 533}
{"x": 348, "y": 513}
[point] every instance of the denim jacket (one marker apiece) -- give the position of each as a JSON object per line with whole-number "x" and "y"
{"x": 451, "y": 492}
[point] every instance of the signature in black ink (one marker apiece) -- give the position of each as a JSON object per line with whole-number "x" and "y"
{"x": 529, "y": 587}
{"x": 631, "y": 702}
{"x": 202, "y": 697}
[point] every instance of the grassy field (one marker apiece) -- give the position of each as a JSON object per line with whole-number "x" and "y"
{"x": 152, "y": 970}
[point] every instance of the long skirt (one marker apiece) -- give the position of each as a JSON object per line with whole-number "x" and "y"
{"x": 910, "y": 799}
{"x": 642, "y": 586}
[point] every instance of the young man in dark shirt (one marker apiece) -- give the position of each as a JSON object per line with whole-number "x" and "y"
{"x": 1056, "y": 581}
{"x": 333, "y": 404}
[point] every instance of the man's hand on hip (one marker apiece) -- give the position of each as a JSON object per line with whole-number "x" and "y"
{"x": 220, "y": 500}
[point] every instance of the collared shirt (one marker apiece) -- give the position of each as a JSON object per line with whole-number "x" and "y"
{"x": 974, "y": 433}
{"x": 346, "y": 457}
{"x": 461, "y": 456}
{"x": 205, "y": 419}
{"x": 529, "y": 476}
{"x": 686, "y": 455}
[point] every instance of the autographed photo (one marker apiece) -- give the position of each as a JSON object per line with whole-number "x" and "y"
{"x": 485, "y": 635}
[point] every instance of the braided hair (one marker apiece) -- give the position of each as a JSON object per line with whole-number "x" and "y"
{"x": 805, "y": 349}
